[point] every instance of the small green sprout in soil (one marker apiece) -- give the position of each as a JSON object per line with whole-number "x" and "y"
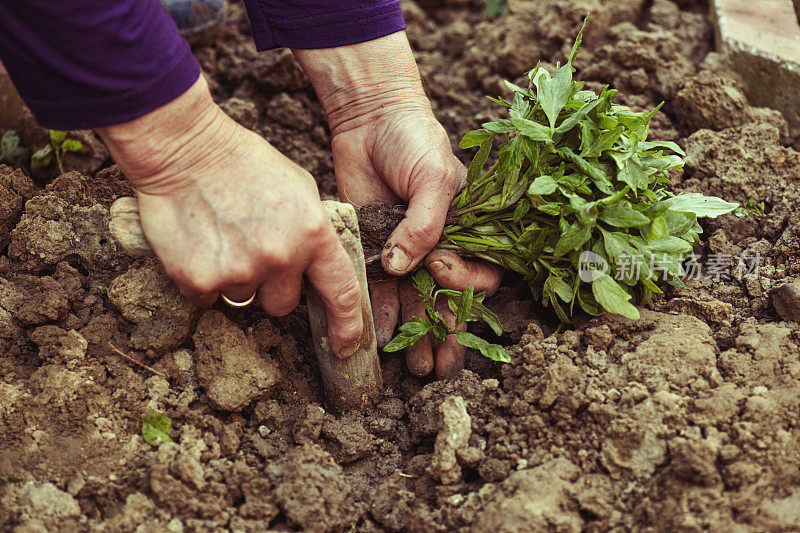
{"x": 493, "y": 8}
{"x": 156, "y": 428}
{"x": 466, "y": 305}
{"x": 55, "y": 149}
{"x": 751, "y": 208}
{"x": 6, "y": 480}
{"x": 577, "y": 202}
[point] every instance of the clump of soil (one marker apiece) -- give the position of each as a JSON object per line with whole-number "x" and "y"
{"x": 683, "y": 420}
{"x": 376, "y": 221}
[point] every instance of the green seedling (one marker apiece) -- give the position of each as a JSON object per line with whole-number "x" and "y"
{"x": 10, "y": 150}
{"x": 577, "y": 197}
{"x": 751, "y": 208}
{"x": 493, "y": 8}
{"x": 466, "y": 305}
{"x": 156, "y": 428}
{"x": 55, "y": 149}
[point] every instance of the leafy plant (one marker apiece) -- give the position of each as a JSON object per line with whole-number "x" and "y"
{"x": 466, "y": 305}
{"x": 55, "y": 149}
{"x": 156, "y": 428}
{"x": 10, "y": 150}
{"x": 751, "y": 208}
{"x": 576, "y": 198}
{"x": 493, "y": 8}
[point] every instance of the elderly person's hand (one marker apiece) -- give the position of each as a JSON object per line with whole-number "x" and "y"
{"x": 228, "y": 214}
{"x": 388, "y": 146}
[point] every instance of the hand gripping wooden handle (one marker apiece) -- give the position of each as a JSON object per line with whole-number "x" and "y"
{"x": 349, "y": 383}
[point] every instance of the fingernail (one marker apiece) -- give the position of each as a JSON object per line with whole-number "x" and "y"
{"x": 399, "y": 260}
{"x": 436, "y": 266}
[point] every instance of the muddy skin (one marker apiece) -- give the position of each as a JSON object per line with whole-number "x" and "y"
{"x": 684, "y": 420}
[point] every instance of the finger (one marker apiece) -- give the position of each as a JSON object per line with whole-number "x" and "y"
{"x": 450, "y": 355}
{"x": 421, "y": 228}
{"x": 385, "y": 309}
{"x": 333, "y": 276}
{"x": 199, "y": 299}
{"x": 451, "y": 271}
{"x": 419, "y": 358}
{"x": 280, "y": 294}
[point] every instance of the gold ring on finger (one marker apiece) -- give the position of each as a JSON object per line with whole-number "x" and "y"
{"x": 238, "y": 304}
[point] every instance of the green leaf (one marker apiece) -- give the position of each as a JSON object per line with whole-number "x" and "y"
{"x": 42, "y": 157}
{"x": 73, "y": 145}
{"x": 543, "y": 185}
{"x": 475, "y": 138}
{"x": 634, "y": 175}
{"x": 613, "y": 298}
{"x": 601, "y": 143}
{"x": 423, "y": 282}
{"x": 622, "y": 216}
{"x": 57, "y": 136}
{"x": 533, "y": 130}
{"x": 494, "y": 352}
{"x": 523, "y": 206}
{"x": 574, "y": 238}
{"x": 702, "y": 206}
{"x": 673, "y": 245}
{"x": 658, "y": 229}
{"x": 464, "y": 305}
{"x": 156, "y": 428}
{"x": 591, "y": 170}
{"x": 550, "y": 209}
{"x": 574, "y": 119}
{"x": 554, "y": 92}
{"x": 560, "y": 288}
{"x": 501, "y": 126}
{"x": 669, "y": 145}
{"x": 410, "y": 333}
{"x": 578, "y": 41}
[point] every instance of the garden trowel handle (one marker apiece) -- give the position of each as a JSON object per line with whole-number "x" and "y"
{"x": 350, "y": 383}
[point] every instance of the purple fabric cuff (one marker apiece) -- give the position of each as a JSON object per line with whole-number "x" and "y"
{"x": 88, "y": 64}
{"x": 310, "y": 24}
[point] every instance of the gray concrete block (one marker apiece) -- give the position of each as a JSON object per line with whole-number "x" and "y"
{"x": 761, "y": 39}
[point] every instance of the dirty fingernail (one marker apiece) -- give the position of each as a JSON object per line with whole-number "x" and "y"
{"x": 399, "y": 259}
{"x": 436, "y": 266}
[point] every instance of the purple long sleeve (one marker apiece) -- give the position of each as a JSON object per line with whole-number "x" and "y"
{"x": 83, "y": 63}
{"x": 86, "y": 64}
{"x": 321, "y": 23}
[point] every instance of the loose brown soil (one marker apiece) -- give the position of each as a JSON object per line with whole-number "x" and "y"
{"x": 686, "y": 420}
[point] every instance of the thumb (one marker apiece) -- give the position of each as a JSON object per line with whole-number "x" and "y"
{"x": 419, "y": 231}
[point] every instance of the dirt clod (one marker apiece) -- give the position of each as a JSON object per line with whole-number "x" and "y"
{"x": 229, "y": 366}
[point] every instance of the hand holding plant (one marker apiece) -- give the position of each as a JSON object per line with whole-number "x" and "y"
{"x": 574, "y": 175}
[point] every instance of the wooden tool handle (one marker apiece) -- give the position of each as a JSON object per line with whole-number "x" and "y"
{"x": 349, "y": 383}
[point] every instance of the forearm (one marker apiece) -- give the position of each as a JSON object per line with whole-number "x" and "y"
{"x": 156, "y": 147}
{"x": 355, "y": 83}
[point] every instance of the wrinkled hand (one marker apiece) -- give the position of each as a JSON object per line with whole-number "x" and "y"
{"x": 387, "y": 145}
{"x": 227, "y": 213}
